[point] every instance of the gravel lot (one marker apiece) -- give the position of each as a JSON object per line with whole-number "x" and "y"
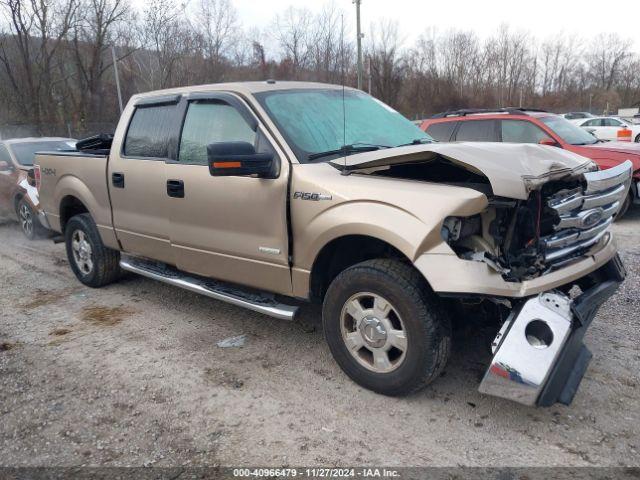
{"x": 130, "y": 375}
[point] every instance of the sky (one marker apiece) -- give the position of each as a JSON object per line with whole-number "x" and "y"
{"x": 543, "y": 18}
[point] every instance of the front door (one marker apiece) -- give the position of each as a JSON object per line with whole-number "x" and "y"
{"x": 228, "y": 228}
{"x": 137, "y": 182}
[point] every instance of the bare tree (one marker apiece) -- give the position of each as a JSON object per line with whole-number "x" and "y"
{"x": 387, "y": 65}
{"x": 217, "y": 24}
{"x": 292, "y": 32}
{"x": 28, "y": 54}
{"x": 97, "y": 29}
{"x": 605, "y": 60}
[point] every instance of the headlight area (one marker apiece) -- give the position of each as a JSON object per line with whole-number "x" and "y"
{"x": 506, "y": 236}
{"x": 559, "y": 224}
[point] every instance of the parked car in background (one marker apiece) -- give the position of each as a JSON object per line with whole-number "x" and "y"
{"x": 535, "y": 126}
{"x": 607, "y": 128}
{"x": 577, "y": 115}
{"x": 18, "y": 194}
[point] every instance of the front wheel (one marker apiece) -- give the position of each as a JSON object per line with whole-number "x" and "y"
{"x": 93, "y": 264}
{"x": 385, "y": 327}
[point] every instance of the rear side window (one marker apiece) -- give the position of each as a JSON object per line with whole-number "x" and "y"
{"x": 208, "y": 122}
{"x": 593, "y": 123}
{"x": 442, "y": 131}
{"x": 521, "y": 131}
{"x": 477, "y": 131}
{"x": 150, "y": 131}
{"x": 611, "y": 122}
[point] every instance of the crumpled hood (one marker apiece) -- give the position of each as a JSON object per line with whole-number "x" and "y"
{"x": 513, "y": 170}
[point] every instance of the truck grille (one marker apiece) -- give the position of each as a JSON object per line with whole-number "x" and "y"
{"x": 586, "y": 213}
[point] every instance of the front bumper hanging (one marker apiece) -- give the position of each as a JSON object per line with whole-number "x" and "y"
{"x": 539, "y": 358}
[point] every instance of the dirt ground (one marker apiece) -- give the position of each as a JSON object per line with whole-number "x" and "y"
{"x": 130, "y": 375}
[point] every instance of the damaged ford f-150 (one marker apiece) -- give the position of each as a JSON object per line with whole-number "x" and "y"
{"x": 269, "y": 194}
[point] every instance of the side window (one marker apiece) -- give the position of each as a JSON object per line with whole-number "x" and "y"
{"x": 442, "y": 131}
{"x": 210, "y": 122}
{"x": 520, "y": 131}
{"x": 4, "y": 155}
{"x": 593, "y": 123}
{"x": 477, "y": 131}
{"x": 611, "y": 122}
{"x": 150, "y": 131}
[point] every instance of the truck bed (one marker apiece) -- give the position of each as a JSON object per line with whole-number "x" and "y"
{"x": 65, "y": 176}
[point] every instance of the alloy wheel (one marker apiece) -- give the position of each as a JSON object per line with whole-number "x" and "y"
{"x": 373, "y": 332}
{"x": 26, "y": 220}
{"x": 82, "y": 252}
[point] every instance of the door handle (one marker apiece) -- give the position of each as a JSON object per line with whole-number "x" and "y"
{"x": 117, "y": 179}
{"x": 175, "y": 188}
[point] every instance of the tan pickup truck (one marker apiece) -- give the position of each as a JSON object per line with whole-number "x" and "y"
{"x": 269, "y": 194}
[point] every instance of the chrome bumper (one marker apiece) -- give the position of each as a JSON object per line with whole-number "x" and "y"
{"x": 539, "y": 358}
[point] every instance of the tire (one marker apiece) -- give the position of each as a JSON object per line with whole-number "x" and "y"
{"x": 93, "y": 264}
{"x": 412, "y": 308}
{"x": 637, "y": 140}
{"x": 625, "y": 207}
{"x": 28, "y": 221}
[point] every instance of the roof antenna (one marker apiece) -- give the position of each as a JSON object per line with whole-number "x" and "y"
{"x": 344, "y": 110}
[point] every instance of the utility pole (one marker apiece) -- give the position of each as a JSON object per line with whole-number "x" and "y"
{"x": 369, "y": 72}
{"x": 359, "y": 33}
{"x": 115, "y": 71}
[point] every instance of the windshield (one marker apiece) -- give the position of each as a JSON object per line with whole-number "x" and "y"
{"x": 318, "y": 121}
{"x": 25, "y": 152}
{"x": 569, "y": 132}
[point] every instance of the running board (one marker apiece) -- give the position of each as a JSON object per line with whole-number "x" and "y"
{"x": 252, "y": 300}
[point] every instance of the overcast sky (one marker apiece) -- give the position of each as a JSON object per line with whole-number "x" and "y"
{"x": 543, "y": 18}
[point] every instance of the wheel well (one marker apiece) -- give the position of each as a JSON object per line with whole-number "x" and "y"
{"x": 342, "y": 253}
{"x": 69, "y": 207}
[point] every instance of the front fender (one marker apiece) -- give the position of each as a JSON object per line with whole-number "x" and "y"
{"x": 413, "y": 234}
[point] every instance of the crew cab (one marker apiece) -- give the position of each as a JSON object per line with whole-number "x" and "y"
{"x": 269, "y": 194}
{"x": 516, "y": 125}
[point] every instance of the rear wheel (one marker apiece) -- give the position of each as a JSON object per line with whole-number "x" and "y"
{"x": 29, "y": 224}
{"x": 638, "y": 139}
{"x": 385, "y": 328}
{"x": 93, "y": 264}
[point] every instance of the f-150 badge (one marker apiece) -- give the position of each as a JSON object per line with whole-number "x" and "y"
{"x": 311, "y": 196}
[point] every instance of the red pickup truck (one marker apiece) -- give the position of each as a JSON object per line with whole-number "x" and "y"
{"x": 513, "y": 125}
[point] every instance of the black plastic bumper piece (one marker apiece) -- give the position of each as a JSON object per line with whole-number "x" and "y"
{"x": 574, "y": 359}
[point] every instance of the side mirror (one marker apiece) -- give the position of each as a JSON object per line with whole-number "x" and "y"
{"x": 5, "y": 166}
{"x": 549, "y": 142}
{"x": 227, "y": 159}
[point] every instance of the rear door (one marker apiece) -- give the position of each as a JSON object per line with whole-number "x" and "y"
{"x": 610, "y": 129}
{"x": 137, "y": 182}
{"x": 477, "y": 131}
{"x": 229, "y": 228}
{"x": 596, "y": 127}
